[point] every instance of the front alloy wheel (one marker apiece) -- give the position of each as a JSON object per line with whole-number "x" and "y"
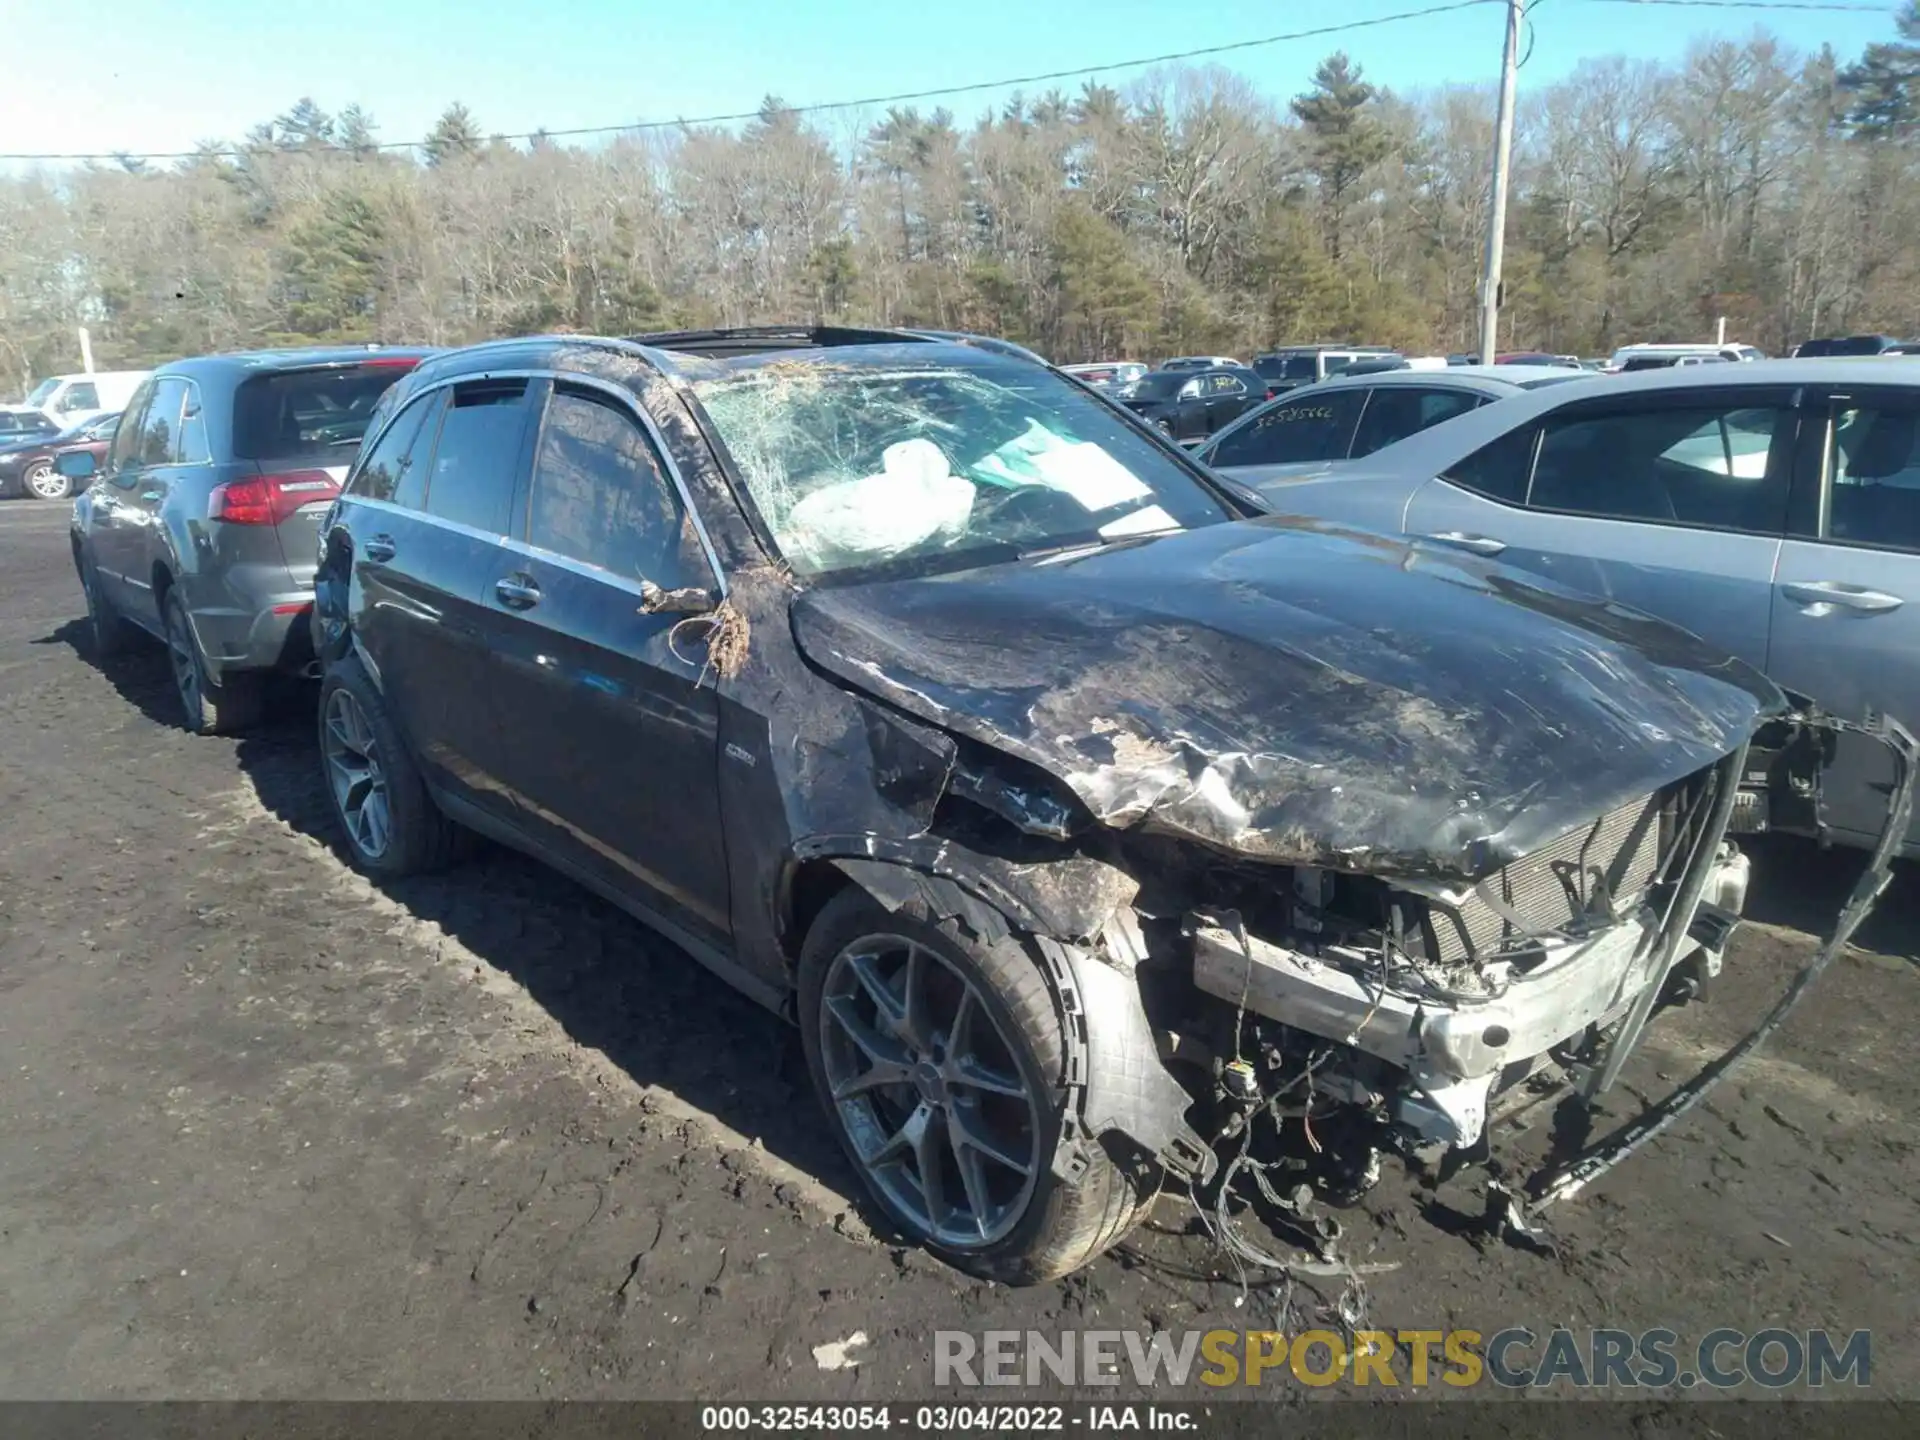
{"x": 43, "y": 482}
{"x": 929, "y": 1092}
{"x": 940, "y": 1059}
{"x": 356, "y": 774}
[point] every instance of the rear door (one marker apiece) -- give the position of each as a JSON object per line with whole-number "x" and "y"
{"x": 1673, "y": 503}
{"x": 1226, "y": 396}
{"x": 432, "y": 506}
{"x": 609, "y": 738}
{"x": 1846, "y": 600}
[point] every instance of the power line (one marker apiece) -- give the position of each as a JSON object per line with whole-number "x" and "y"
{"x": 871, "y": 100}
{"x": 1758, "y": 5}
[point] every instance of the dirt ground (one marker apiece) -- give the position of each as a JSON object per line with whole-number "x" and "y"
{"x": 267, "y": 1130}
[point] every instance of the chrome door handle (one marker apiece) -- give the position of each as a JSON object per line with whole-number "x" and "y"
{"x": 379, "y": 548}
{"x": 517, "y": 592}
{"x": 1823, "y": 597}
{"x": 1463, "y": 540}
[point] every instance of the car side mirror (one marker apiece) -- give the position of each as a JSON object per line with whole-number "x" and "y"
{"x": 77, "y": 464}
{"x": 1189, "y": 391}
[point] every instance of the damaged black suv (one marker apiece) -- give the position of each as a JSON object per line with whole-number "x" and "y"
{"x": 1071, "y": 809}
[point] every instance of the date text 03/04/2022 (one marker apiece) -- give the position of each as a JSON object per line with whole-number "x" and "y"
{"x": 996, "y": 1419}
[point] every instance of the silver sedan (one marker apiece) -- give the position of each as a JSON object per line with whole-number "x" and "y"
{"x": 1772, "y": 508}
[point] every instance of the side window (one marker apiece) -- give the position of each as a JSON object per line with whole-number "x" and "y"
{"x": 120, "y": 455}
{"x": 1314, "y": 427}
{"x": 160, "y": 427}
{"x": 1224, "y": 385}
{"x": 1396, "y": 411}
{"x": 83, "y": 396}
{"x": 1874, "y": 478}
{"x": 1498, "y": 470}
{"x": 478, "y": 455}
{"x": 1701, "y": 465}
{"x": 601, "y": 497}
{"x": 193, "y": 430}
{"x": 398, "y": 456}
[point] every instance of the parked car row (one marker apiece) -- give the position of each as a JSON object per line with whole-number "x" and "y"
{"x": 950, "y": 707}
{"x": 28, "y": 456}
{"x": 1772, "y": 508}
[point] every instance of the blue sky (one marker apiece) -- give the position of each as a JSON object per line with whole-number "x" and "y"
{"x": 152, "y": 76}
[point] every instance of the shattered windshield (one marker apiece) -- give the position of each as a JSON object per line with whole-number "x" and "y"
{"x": 937, "y": 465}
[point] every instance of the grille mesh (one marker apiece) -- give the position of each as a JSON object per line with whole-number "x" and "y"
{"x": 1546, "y": 888}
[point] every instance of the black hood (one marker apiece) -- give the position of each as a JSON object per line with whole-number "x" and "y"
{"x": 1291, "y": 691}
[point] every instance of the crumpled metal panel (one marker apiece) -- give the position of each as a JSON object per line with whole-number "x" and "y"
{"x": 1290, "y": 691}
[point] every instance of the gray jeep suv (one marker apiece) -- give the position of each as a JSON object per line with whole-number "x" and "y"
{"x": 202, "y": 523}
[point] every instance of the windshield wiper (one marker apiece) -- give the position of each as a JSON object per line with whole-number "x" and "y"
{"x": 1096, "y": 542}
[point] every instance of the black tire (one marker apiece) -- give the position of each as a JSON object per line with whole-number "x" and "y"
{"x": 53, "y": 485}
{"x": 1064, "y": 1226}
{"x": 420, "y": 838}
{"x": 207, "y": 706}
{"x": 108, "y": 633}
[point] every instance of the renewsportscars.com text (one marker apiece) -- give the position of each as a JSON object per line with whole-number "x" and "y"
{"x": 1515, "y": 1359}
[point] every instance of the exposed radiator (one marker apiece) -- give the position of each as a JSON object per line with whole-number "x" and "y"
{"x": 1556, "y": 884}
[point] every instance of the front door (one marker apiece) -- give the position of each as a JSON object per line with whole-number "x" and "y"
{"x": 608, "y": 723}
{"x": 1670, "y": 503}
{"x": 1846, "y": 606}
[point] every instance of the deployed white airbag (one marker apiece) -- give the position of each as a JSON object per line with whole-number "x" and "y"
{"x": 915, "y": 499}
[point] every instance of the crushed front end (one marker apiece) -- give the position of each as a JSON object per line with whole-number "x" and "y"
{"x": 1379, "y": 1012}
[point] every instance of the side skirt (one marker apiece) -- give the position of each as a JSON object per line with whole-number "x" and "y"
{"x": 503, "y": 832}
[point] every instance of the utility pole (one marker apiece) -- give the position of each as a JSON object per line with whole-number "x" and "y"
{"x": 1502, "y": 166}
{"x": 86, "y": 350}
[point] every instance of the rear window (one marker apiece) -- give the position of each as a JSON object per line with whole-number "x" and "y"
{"x": 1287, "y": 367}
{"x": 26, "y": 422}
{"x": 309, "y": 414}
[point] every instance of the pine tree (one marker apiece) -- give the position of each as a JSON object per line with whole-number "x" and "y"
{"x": 1345, "y": 138}
{"x": 1885, "y": 85}
{"x": 305, "y": 127}
{"x": 455, "y": 136}
{"x": 355, "y": 132}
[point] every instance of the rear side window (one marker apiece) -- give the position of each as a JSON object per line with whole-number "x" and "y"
{"x": 1705, "y": 465}
{"x": 319, "y": 414}
{"x": 601, "y": 497}
{"x": 478, "y": 456}
{"x": 396, "y": 458}
{"x": 1314, "y": 427}
{"x": 1396, "y": 411}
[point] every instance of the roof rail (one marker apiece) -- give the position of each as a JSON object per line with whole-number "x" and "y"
{"x": 753, "y": 339}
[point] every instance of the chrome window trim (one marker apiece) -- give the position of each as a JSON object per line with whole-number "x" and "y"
{"x": 623, "y": 397}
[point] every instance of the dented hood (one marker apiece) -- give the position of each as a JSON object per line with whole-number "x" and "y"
{"x": 1291, "y": 691}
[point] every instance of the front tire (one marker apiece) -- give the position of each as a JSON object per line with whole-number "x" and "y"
{"x": 939, "y": 1059}
{"x": 207, "y": 706}
{"x": 43, "y": 482}
{"x": 391, "y": 824}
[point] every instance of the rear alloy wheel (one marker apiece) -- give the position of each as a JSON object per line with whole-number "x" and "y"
{"x": 392, "y": 826}
{"x": 939, "y": 1060}
{"x": 43, "y": 482}
{"x": 207, "y": 707}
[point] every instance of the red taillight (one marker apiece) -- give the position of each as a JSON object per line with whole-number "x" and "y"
{"x": 270, "y": 499}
